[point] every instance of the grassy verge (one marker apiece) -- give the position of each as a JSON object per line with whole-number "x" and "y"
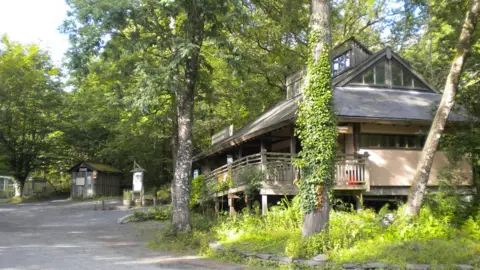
{"x": 33, "y": 198}
{"x": 435, "y": 237}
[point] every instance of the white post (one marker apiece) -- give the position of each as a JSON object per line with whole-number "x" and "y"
{"x": 264, "y": 204}
{"x": 367, "y": 171}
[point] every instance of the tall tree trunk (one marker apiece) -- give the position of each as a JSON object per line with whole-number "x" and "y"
{"x": 176, "y": 86}
{"x": 317, "y": 220}
{"x": 19, "y": 185}
{"x": 174, "y": 146}
{"x": 185, "y": 105}
{"x": 419, "y": 185}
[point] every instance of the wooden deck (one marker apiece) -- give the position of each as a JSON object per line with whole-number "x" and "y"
{"x": 279, "y": 174}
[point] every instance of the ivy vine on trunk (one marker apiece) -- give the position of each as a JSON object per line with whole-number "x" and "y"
{"x": 316, "y": 129}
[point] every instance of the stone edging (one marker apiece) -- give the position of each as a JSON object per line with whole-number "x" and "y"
{"x": 320, "y": 261}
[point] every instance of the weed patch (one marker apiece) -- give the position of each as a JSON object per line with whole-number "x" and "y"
{"x": 159, "y": 213}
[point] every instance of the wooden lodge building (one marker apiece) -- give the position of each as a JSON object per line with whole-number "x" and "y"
{"x": 384, "y": 111}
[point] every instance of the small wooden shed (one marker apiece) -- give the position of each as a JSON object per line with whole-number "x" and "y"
{"x": 90, "y": 179}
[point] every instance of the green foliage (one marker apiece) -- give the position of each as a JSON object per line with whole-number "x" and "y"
{"x": 224, "y": 185}
{"x": 251, "y": 177}
{"x": 30, "y": 108}
{"x": 160, "y": 213}
{"x": 32, "y": 198}
{"x": 316, "y": 129}
{"x": 199, "y": 191}
{"x": 164, "y": 194}
{"x": 127, "y": 194}
{"x": 168, "y": 239}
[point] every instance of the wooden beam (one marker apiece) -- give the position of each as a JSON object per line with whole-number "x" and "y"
{"x": 356, "y": 137}
{"x": 293, "y": 145}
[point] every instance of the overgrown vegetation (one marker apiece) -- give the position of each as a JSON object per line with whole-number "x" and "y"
{"x": 440, "y": 234}
{"x": 159, "y": 213}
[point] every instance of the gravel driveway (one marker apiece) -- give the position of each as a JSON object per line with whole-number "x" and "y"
{"x": 71, "y": 235}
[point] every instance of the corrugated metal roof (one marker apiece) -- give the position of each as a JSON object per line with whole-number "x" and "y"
{"x": 349, "y": 102}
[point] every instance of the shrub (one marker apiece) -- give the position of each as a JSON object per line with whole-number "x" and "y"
{"x": 127, "y": 195}
{"x": 155, "y": 213}
{"x": 199, "y": 190}
{"x": 164, "y": 194}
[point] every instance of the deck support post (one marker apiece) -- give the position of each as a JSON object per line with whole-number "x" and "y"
{"x": 264, "y": 204}
{"x": 359, "y": 202}
{"x": 217, "y": 206}
{"x": 231, "y": 206}
{"x": 293, "y": 145}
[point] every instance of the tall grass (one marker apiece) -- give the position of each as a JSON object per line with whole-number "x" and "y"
{"x": 437, "y": 235}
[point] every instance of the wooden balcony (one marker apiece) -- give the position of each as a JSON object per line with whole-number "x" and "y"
{"x": 352, "y": 173}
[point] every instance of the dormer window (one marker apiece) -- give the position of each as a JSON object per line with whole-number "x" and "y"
{"x": 340, "y": 63}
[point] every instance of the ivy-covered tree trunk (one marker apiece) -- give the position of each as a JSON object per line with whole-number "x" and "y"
{"x": 316, "y": 125}
{"x": 184, "y": 103}
{"x": 422, "y": 174}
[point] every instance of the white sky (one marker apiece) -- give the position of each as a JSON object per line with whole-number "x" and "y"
{"x": 35, "y": 21}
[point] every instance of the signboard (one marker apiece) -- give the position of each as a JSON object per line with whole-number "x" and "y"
{"x": 137, "y": 181}
{"x": 222, "y": 134}
{"x": 345, "y": 129}
{"x": 80, "y": 181}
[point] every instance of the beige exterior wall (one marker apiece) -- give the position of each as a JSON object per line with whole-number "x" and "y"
{"x": 349, "y": 147}
{"x": 397, "y": 167}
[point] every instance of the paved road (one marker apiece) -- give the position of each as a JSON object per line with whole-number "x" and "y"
{"x": 71, "y": 235}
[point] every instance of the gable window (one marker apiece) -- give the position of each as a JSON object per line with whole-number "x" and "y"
{"x": 375, "y": 75}
{"x": 392, "y": 141}
{"x": 389, "y": 73}
{"x": 403, "y": 78}
{"x": 340, "y": 63}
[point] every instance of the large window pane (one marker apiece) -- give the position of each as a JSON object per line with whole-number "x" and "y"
{"x": 368, "y": 77}
{"x": 419, "y": 84}
{"x": 358, "y": 79}
{"x": 396, "y": 74}
{"x": 380, "y": 72}
{"x": 407, "y": 79}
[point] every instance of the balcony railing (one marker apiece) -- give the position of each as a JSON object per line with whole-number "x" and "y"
{"x": 352, "y": 171}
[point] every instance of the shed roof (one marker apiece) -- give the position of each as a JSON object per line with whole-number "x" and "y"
{"x": 96, "y": 167}
{"x": 350, "y": 103}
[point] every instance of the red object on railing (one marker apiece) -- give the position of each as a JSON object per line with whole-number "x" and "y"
{"x": 352, "y": 179}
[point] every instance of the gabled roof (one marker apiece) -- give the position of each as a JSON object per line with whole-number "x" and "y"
{"x": 347, "y": 76}
{"x": 352, "y": 102}
{"x": 95, "y": 167}
{"x": 280, "y": 115}
{"x": 358, "y": 103}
